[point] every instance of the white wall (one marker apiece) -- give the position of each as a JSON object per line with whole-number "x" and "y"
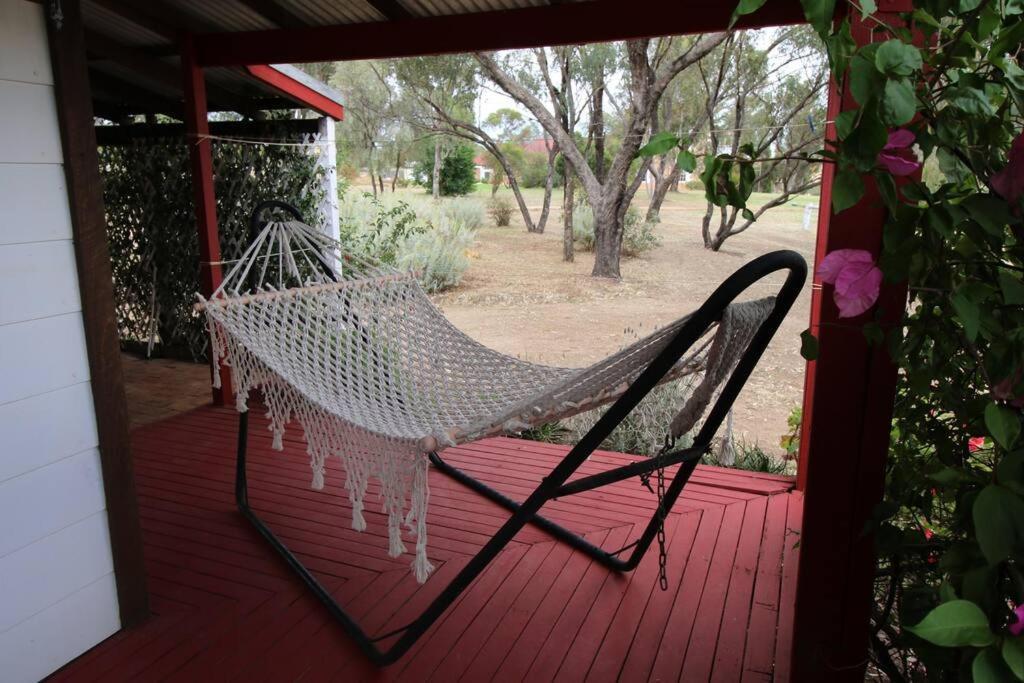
{"x": 57, "y": 591}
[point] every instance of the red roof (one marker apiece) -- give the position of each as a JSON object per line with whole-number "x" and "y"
{"x": 538, "y": 145}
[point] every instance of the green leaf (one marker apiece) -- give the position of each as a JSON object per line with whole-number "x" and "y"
{"x": 841, "y": 47}
{"x": 990, "y": 211}
{"x": 847, "y": 189}
{"x": 844, "y": 123}
{"x": 867, "y": 8}
{"x": 748, "y": 6}
{"x": 998, "y": 516}
{"x": 1013, "y": 655}
{"x": 864, "y": 143}
{"x": 899, "y": 102}
{"x": 808, "y": 345}
{"x": 1003, "y": 424}
{"x": 896, "y": 58}
{"x": 957, "y": 623}
{"x": 865, "y": 80}
{"x": 1013, "y": 289}
{"x": 819, "y": 14}
{"x": 967, "y": 5}
{"x": 686, "y": 161}
{"x": 968, "y": 312}
{"x": 988, "y": 667}
{"x": 658, "y": 144}
{"x": 748, "y": 215}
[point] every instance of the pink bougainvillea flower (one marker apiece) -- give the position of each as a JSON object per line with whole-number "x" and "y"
{"x": 1009, "y": 182}
{"x": 975, "y": 443}
{"x": 856, "y": 278}
{"x": 899, "y": 155}
{"x": 1017, "y": 627}
{"x": 928, "y": 533}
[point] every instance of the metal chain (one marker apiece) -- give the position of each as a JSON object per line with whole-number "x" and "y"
{"x": 662, "y": 554}
{"x": 662, "y": 513}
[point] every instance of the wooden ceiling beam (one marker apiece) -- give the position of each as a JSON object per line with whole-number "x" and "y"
{"x": 562, "y": 24}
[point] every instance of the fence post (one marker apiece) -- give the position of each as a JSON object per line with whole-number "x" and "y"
{"x": 328, "y": 161}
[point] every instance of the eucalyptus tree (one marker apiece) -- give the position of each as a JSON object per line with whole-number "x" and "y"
{"x": 369, "y": 106}
{"x": 649, "y": 70}
{"x": 447, "y": 88}
{"x": 764, "y": 102}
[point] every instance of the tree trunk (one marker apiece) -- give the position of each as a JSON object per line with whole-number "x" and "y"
{"x": 597, "y": 126}
{"x": 549, "y": 182}
{"x": 436, "y": 180}
{"x": 398, "y": 169}
{"x": 380, "y": 179}
{"x": 607, "y": 239}
{"x": 568, "y": 245}
{"x": 662, "y": 183}
{"x": 523, "y": 208}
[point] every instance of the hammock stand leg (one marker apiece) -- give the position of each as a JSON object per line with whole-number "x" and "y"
{"x": 556, "y": 484}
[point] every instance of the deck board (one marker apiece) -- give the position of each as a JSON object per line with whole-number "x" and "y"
{"x": 226, "y": 608}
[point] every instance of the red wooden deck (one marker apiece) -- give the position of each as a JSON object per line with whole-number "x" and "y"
{"x": 225, "y": 607}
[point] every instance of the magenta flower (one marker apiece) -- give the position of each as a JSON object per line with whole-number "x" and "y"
{"x": 899, "y": 156}
{"x": 856, "y": 278}
{"x": 975, "y": 443}
{"x": 1009, "y": 182}
{"x": 1017, "y": 627}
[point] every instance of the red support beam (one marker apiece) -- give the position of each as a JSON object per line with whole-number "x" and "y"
{"x": 848, "y": 401}
{"x": 562, "y": 24}
{"x": 197, "y": 131}
{"x": 294, "y": 89}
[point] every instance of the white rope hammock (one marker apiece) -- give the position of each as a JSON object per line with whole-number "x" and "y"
{"x": 379, "y": 378}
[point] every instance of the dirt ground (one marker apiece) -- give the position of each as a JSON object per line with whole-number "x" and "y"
{"x": 520, "y": 298}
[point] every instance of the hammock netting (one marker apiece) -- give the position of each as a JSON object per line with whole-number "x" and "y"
{"x": 356, "y": 352}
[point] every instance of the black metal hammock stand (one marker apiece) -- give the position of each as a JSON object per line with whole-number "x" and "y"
{"x": 556, "y": 484}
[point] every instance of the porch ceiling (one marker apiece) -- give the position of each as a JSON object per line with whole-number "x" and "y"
{"x": 133, "y": 44}
{"x": 135, "y": 68}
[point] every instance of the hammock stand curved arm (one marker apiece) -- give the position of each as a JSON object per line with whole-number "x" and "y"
{"x": 556, "y": 484}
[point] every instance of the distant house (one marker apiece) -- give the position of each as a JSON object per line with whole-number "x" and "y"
{"x": 482, "y": 168}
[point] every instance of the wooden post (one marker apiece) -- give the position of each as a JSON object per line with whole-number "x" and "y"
{"x": 847, "y": 414}
{"x": 96, "y": 286}
{"x": 197, "y": 130}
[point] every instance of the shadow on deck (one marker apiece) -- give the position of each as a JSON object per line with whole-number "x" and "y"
{"x": 225, "y": 606}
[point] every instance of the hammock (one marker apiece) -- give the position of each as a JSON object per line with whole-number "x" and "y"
{"x": 357, "y": 353}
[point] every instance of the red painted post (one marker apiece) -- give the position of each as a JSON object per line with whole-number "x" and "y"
{"x": 201, "y": 160}
{"x": 848, "y": 400}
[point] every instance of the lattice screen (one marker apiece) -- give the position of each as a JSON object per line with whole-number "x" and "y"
{"x": 151, "y": 226}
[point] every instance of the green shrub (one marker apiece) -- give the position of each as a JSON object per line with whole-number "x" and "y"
{"x": 500, "y": 209}
{"x": 468, "y": 212}
{"x": 534, "y": 169}
{"x": 583, "y": 228}
{"x": 638, "y": 236}
{"x": 751, "y": 457}
{"x": 370, "y": 227}
{"x": 549, "y": 432}
{"x": 438, "y": 254}
{"x": 643, "y": 431}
